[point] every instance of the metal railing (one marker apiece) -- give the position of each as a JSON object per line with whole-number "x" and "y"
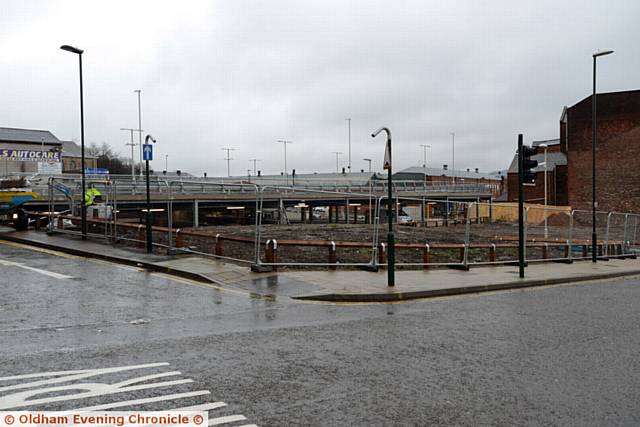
{"x": 433, "y": 233}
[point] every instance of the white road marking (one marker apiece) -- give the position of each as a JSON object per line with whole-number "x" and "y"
{"x": 70, "y": 375}
{"x": 44, "y": 383}
{"x": 36, "y": 270}
{"x": 20, "y": 400}
{"x": 125, "y": 403}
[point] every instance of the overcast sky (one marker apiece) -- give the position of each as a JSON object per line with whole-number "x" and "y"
{"x": 245, "y": 74}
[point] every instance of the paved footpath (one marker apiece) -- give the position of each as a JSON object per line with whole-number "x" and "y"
{"x": 339, "y": 285}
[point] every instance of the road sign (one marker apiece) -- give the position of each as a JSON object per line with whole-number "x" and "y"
{"x": 96, "y": 171}
{"x": 147, "y": 151}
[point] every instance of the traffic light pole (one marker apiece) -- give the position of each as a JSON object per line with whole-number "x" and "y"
{"x": 521, "y": 241}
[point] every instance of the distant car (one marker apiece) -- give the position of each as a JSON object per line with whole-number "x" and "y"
{"x": 404, "y": 219}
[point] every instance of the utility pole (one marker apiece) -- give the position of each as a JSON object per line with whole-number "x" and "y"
{"x": 284, "y": 142}
{"x": 349, "y": 165}
{"x": 228, "y": 159}
{"x": 337, "y": 153}
{"x": 425, "y": 146}
{"x": 139, "y": 130}
{"x": 132, "y": 144}
{"x": 255, "y": 168}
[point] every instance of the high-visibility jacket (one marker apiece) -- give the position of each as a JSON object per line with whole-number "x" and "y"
{"x": 90, "y": 195}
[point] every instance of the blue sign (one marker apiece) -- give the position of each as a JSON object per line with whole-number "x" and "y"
{"x": 96, "y": 171}
{"x": 147, "y": 152}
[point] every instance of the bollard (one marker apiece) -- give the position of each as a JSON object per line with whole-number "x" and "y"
{"x": 425, "y": 256}
{"x": 585, "y": 251}
{"x": 462, "y": 252}
{"x": 141, "y": 236}
{"x": 219, "y": 247}
{"x": 179, "y": 239}
{"x": 271, "y": 253}
{"x": 567, "y": 249}
{"x": 492, "y": 253}
{"x": 382, "y": 256}
{"x": 333, "y": 258}
{"x": 545, "y": 251}
{"x": 60, "y": 223}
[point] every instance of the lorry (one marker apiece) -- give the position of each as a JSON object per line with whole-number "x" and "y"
{"x": 14, "y": 192}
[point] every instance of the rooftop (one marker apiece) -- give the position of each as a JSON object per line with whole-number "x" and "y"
{"x": 28, "y": 136}
{"x": 449, "y": 173}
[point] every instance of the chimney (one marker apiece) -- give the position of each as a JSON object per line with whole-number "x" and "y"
{"x": 468, "y": 170}
{"x": 444, "y": 167}
{"x": 259, "y": 173}
{"x": 205, "y": 174}
{"x": 178, "y": 172}
{"x": 343, "y": 172}
{"x": 476, "y": 170}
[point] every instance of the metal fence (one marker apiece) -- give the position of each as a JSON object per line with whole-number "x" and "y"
{"x": 429, "y": 232}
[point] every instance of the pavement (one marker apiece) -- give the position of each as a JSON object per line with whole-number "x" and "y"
{"x": 338, "y": 285}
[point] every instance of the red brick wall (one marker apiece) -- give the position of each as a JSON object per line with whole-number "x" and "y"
{"x": 533, "y": 193}
{"x": 618, "y": 152}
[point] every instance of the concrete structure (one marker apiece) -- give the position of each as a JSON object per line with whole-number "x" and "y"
{"x": 618, "y": 151}
{"x": 495, "y": 180}
{"x": 29, "y": 151}
{"x": 556, "y": 176}
{"x": 72, "y": 158}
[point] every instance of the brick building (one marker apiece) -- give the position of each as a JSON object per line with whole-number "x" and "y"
{"x": 617, "y": 151}
{"x": 556, "y": 176}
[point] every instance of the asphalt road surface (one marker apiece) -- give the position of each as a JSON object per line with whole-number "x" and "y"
{"x": 564, "y": 355}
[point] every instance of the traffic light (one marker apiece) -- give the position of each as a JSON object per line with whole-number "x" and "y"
{"x": 528, "y": 175}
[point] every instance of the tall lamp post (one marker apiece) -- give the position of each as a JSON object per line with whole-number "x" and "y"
{"x": 139, "y": 91}
{"x": 349, "y": 165}
{"x": 83, "y": 206}
{"x": 369, "y": 161}
{"x": 337, "y": 153}
{"x": 453, "y": 156}
{"x": 390, "y": 238}
{"x": 594, "y": 125}
{"x": 284, "y": 142}
{"x": 424, "y": 146}
{"x": 546, "y": 168}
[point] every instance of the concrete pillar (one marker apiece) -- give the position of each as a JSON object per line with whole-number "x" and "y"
{"x": 355, "y": 214}
{"x": 346, "y": 212}
{"x": 196, "y": 219}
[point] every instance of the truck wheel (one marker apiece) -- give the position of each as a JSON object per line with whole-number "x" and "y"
{"x": 22, "y": 222}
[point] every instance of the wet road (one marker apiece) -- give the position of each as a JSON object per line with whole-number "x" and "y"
{"x": 563, "y": 355}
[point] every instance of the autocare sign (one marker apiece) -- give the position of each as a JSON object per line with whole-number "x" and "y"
{"x": 29, "y": 155}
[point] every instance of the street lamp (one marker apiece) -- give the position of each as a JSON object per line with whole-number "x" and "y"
{"x": 425, "y": 146}
{"x": 139, "y": 91}
{"x": 83, "y": 206}
{"x": 349, "y": 165}
{"x": 284, "y": 142}
{"x": 368, "y": 160}
{"x": 255, "y": 161}
{"x": 594, "y": 124}
{"x": 166, "y": 163}
{"x": 337, "y": 153}
{"x": 390, "y": 237}
{"x": 545, "y": 147}
{"x": 453, "y": 156}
